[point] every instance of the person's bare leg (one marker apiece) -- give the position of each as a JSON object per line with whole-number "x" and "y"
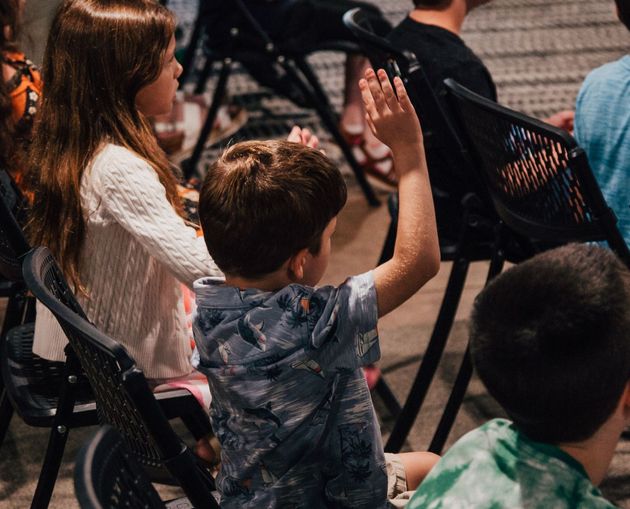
{"x": 417, "y": 466}
{"x": 353, "y": 114}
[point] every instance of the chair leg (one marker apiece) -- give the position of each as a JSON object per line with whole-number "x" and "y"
{"x": 464, "y": 375}
{"x": 58, "y": 434}
{"x": 203, "y": 77}
{"x": 432, "y": 356}
{"x": 388, "y": 397}
{"x": 330, "y": 121}
{"x": 197, "y": 423}
{"x": 50, "y": 467}
{"x": 6, "y": 412}
{"x": 189, "y": 166}
{"x": 189, "y": 55}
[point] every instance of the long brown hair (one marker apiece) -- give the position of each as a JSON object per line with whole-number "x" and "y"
{"x": 100, "y": 53}
{"x": 8, "y": 32}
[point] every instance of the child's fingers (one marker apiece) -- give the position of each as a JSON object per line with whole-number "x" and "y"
{"x": 370, "y": 124}
{"x": 306, "y": 136}
{"x": 295, "y": 134}
{"x": 368, "y": 100}
{"x": 388, "y": 91}
{"x": 403, "y": 97}
{"x": 376, "y": 90}
{"x": 313, "y": 142}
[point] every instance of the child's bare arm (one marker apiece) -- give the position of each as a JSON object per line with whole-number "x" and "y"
{"x": 416, "y": 253}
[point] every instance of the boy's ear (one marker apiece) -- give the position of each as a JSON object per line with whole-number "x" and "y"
{"x": 296, "y": 265}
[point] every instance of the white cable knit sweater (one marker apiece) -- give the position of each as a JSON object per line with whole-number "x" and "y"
{"x": 136, "y": 252}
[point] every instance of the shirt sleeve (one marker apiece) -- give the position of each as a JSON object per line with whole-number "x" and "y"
{"x": 343, "y": 324}
{"x": 134, "y": 196}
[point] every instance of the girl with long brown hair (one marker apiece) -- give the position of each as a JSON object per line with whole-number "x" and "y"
{"x": 20, "y": 87}
{"x": 106, "y": 202}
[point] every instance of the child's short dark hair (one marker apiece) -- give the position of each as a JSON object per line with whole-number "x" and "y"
{"x": 623, "y": 8}
{"x": 550, "y": 340}
{"x": 263, "y": 201}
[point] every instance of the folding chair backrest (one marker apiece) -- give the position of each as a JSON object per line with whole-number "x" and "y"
{"x": 13, "y": 243}
{"x": 106, "y": 476}
{"x": 538, "y": 178}
{"x": 440, "y": 136}
{"x": 123, "y": 397}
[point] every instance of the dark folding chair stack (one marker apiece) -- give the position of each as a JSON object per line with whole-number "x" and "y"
{"x": 480, "y": 228}
{"x": 542, "y": 188}
{"x": 122, "y": 393}
{"x": 41, "y": 392}
{"x": 107, "y": 476}
{"x": 249, "y": 43}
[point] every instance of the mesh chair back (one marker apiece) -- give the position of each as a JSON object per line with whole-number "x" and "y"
{"x": 107, "y": 477}
{"x": 538, "y": 178}
{"x": 13, "y": 243}
{"x": 105, "y": 362}
{"x": 123, "y": 397}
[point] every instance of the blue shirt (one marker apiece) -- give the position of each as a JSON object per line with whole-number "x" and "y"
{"x": 602, "y": 129}
{"x": 290, "y": 404}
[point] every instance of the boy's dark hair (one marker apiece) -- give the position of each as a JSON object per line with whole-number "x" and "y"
{"x": 623, "y": 9}
{"x": 550, "y": 340}
{"x": 263, "y": 201}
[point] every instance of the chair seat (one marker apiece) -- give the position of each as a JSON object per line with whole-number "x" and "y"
{"x": 32, "y": 383}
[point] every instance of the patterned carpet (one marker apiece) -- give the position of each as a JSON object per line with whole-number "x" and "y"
{"x": 538, "y": 52}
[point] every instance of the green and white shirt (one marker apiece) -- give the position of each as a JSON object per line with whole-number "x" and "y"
{"x": 496, "y": 466}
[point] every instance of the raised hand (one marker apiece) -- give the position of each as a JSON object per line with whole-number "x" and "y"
{"x": 390, "y": 116}
{"x": 303, "y": 136}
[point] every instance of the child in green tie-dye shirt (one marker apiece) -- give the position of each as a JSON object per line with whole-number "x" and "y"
{"x": 549, "y": 340}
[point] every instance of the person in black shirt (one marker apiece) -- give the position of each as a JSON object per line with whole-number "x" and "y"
{"x": 431, "y": 32}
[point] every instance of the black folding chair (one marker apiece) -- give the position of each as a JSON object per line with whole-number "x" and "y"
{"x": 12, "y": 246}
{"x": 41, "y": 392}
{"x": 107, "y": 476}
{"x": 480, "y": 227}
{"x": 542, "y": 188}
{"x": 249, "y": 43}
{"x": 122, "y": 393}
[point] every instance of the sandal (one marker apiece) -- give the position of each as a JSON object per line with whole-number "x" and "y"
{"x": 379, "y": 168}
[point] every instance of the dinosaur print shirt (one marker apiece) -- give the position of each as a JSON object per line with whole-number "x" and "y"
{"x": 496, "y": 466}
{"x": 290, "y": 404}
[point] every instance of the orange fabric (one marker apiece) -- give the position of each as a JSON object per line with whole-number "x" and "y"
{"x": 25, "y": 89}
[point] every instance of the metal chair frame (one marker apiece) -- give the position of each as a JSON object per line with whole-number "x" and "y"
{"x": 574, "y": 187}
{"x": 257, "y": 45}
{"x": 122, "y": 393}
{"x": 40, "y": 391}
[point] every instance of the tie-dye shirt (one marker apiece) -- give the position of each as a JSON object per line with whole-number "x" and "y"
{"x": 495, "y": 466}
{"x": 290, "y": 404}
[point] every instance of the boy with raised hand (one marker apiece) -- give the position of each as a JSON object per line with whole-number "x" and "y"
{"x": 550, "y": 341}
{"x": 290, "y": 405}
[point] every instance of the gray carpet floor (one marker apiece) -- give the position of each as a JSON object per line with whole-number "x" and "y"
{"x": 538, "y": 51}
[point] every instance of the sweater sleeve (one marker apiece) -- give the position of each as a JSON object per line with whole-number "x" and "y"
{"x": 131, "y": 192}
